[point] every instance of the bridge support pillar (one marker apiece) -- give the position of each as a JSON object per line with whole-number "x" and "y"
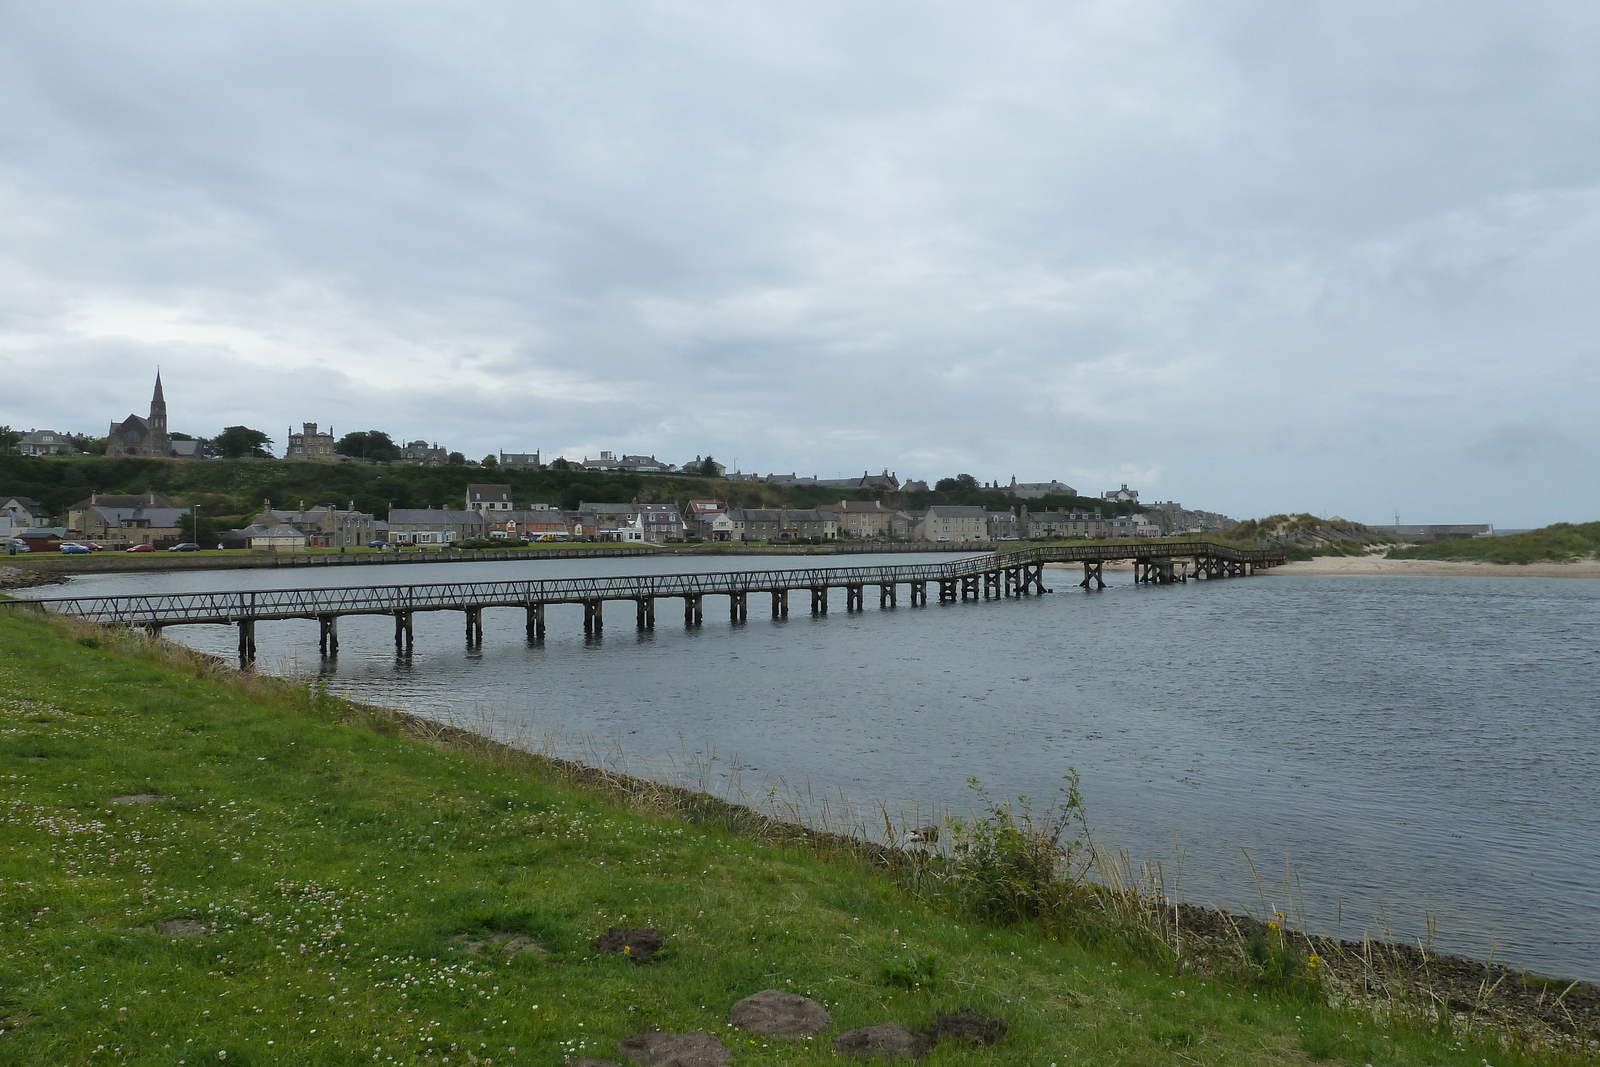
{"x": 535, "y": 622}
{"x": 991, "y": 584}
{"x": 919, "y": 594}
{"x": 247, "y": 642}
{"x": 1033, "y": 575}
{"x": 819, "y": 600}
{"x": 1093, "y": 571}
{"x": 328, "y": 635}
{"x": 886, "y": 595}
{"x": 947, "y": 590}
{"x": 474, "y": 627}
{"x": 738, "y": 609}
{"x": 593, "y": 617}
{"x": 780, "y": 603}
{"x": 853, "y": 597}
{"x": 154, "y": 630}
{"x": 403, "y": 631}
{"x": 645, "y": 613}
{"x": 969, "y": 587}
{"x": 692, "y": 609}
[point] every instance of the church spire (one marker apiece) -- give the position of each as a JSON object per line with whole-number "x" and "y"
{"x": 158, "y": 420}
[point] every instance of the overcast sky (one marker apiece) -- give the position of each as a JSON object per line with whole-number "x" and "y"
{"x": 1255, "y": 257}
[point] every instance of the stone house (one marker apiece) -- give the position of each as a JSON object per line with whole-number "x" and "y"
{"x": 661, "y": 521}
{"x": 1003, "y": 526}
{"x": 953, "y": 522}
{"x": 326, "y": 526}
{"x": 864, "y": 519}
{"x": 1066, "y": 523}
{"x": 139, "y": 525}
{"x": 21, "y": 513}
{"x": 807, "y": 524}
{"x": 422, "y": 454}
{"x": 266, "y": 537}
{"x": 44, "y": 443}
{"x": 1034, "y": 490}
{"x": 80, "y": 518}
{"x": 435, "y": 526}
{"x": 485, "y": 499}
{"x": 309, "y": 444}
{"x": 1121, "y": 496}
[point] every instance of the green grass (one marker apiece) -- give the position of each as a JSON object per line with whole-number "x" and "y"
{"x": 1551, "y": 544}
{"x": 339, "y": 868}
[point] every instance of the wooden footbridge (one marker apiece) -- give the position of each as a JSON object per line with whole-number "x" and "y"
{"x": 1012, "y": 573}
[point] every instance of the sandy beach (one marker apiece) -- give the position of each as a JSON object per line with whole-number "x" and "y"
{"x": 1378, "y": 565}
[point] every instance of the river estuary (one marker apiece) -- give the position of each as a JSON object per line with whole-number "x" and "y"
{"x": 1410, "y": 747}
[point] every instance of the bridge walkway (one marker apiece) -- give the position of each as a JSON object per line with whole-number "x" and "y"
{"x": 1012, "y": 573}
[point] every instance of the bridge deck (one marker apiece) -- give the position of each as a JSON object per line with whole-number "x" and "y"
{"x": 167, "y": 609}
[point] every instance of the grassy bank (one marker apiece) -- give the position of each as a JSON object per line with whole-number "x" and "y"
{"x": 204, "y": 867}
{"x": 1551, "y": 544}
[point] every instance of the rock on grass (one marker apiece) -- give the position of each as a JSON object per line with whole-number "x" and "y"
{"x": 776, "y": 1013}
{"x": 889, "y": 1041}
{"x": 656, "y": 1049}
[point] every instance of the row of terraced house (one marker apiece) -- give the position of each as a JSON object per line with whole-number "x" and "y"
{"x": 490, "y": 513}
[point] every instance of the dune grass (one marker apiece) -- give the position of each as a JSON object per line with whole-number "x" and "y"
{"x": 200, "y": 867}
{"x": 1550, "y": 544}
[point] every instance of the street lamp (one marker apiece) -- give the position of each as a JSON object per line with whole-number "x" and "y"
{"x": 194, "y": 522}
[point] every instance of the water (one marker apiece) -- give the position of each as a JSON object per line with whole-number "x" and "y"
{"x": 1408, "y": 746}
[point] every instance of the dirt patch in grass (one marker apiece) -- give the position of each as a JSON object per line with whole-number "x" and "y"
{"x": 140, "y": 798}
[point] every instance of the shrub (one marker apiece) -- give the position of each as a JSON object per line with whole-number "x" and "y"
{"x": 1009, "y": 866}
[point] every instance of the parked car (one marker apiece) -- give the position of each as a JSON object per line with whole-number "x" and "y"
{"x": 72, "y": 548}
{"x": 187, "y": 546}
{"x": 95, "y": 546}
{"x": 15, "y": 546}
{"x": 142, "y": 548}
{"x": 377, "y": 544}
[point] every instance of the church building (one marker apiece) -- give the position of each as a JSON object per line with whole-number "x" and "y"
{"x": 135, "y": 436}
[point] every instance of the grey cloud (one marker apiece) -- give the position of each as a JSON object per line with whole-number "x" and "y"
{"x": 1266, "y": 257}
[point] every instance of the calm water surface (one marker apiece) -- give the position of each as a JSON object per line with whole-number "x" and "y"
{"x": 1410, "y": 746}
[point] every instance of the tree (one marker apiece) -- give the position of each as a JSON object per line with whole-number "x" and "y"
{"x": 708, "y": 468}
{"x": 368, "y": 444}
{"x": 560, "y": 464}
{"x": 239, "y": 442}
{"x": 457, "y": 460}
{"x": 9, "y": 438}
{"x": 961, "y": 483}
{"x": 490, "y": 461}
{"x": 202, "y": 532}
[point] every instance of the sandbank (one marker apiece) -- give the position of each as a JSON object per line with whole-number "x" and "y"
{"x": 1588, "y": 568}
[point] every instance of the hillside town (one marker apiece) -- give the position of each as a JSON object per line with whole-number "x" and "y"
{"x": 490, "y": 511}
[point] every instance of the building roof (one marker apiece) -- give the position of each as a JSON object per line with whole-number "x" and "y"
{"x": 859, "y": 505}
{"x": 160, "y": 517}
{"x": 28, "y": 504}
{"x": 113, "y": 500}
{"x": 608, "y": 509}
{"x": 278, "y": 533}
{"x": 956, "y": 511}
{"x": 489, "y": 494}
